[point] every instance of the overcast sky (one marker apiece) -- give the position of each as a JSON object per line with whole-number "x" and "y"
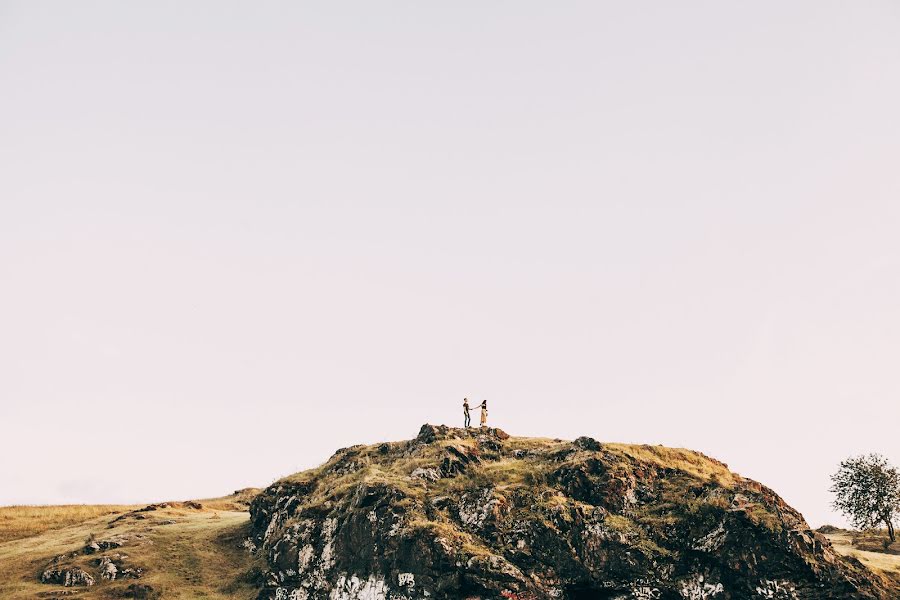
{"x": 237, "y": 236}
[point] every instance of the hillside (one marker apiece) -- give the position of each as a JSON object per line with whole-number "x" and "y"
{"x": 452, "y": 514}
{"x": 181, "y": 550}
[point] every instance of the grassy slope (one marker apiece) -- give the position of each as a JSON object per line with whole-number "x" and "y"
{"x": 197, "y": 556}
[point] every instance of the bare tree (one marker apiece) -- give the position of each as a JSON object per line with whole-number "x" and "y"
{"x": 867, "y": 490}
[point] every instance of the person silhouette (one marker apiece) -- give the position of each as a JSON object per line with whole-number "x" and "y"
{"x": 484, "y": 413}
{"x": 467, "y": 418}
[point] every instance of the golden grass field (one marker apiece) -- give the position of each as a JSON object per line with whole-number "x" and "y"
{"x": 186, "y": 553}
{"x": 18, "y": 522}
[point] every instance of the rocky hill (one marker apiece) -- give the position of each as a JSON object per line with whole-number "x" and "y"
{"x": 476, "y": 514}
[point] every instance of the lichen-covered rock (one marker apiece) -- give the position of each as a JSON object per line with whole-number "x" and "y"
{"x": 475, "y": 514}
{"x": 426, "y": 474}
{"x": 76, "y": 568}
{"x": 108, "y": 569}
{"x": 115, "y": 567}
{"x": 67, "y": 577}
{"x": 95, "y": 546}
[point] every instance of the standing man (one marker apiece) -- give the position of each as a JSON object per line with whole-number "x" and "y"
{"x": 484, "y": 413}
{"x": 466, "y": 417}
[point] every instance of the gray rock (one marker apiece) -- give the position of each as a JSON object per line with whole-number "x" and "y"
{"x": 67, "y": 577}
{"x": 108, "y": 569}
{"x": 426, "y": 474}
{"x": 101, "y": 546}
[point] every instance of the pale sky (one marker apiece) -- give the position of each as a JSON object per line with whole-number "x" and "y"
{"x": 237, "y": 236}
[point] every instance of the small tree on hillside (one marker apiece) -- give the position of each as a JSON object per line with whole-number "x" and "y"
{"x": 867, "y": 490}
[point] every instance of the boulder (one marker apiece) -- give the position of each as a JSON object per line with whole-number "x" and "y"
{"x": 108, "y": 569}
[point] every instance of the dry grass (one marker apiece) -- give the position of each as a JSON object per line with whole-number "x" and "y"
{"x": 688, "y": 461}
{"x": 530, "y": 443}
{"x": 17, "y": 522}
{"x": 509, "y": 472}
{"x": 867, "y": 547}
{"x": 875, "y": 540}
{"x": 199, "y": 557}
{"x": 464, "y": 542}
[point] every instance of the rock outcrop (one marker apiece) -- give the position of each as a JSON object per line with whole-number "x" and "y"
{"x": 63, "y": 570}
{"x": 474, "y": 514}
{"x": 67, "y": 576}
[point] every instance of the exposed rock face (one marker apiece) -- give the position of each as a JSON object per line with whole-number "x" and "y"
{"x": 474, "y": 514}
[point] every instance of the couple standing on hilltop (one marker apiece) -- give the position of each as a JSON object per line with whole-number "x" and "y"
{"x": 467, "y": 417}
